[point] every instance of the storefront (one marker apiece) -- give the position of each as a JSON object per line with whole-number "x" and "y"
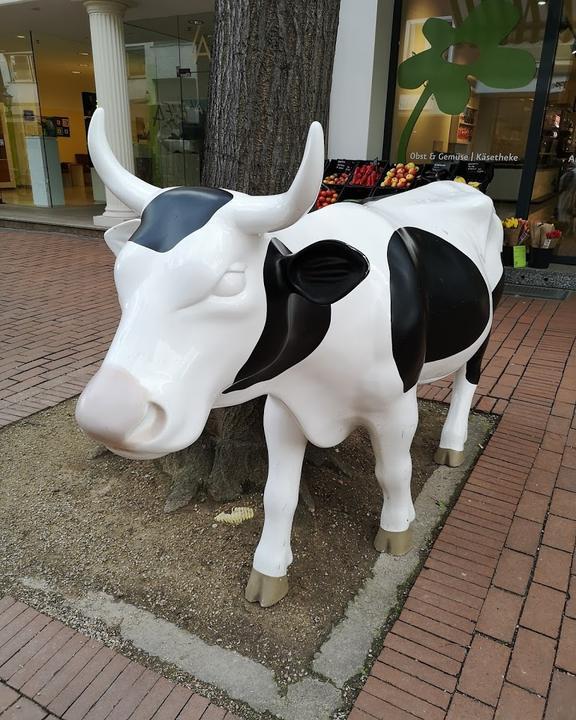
{"x": 491, "y": 82}
{"x": 48, "y": 90}
{"x": 444, "y": 83}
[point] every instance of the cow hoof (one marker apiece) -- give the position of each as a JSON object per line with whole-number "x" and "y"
{"x": 452, "y": 458}
{"x": 265, "y": 589}
{"x": 393, "y": 543}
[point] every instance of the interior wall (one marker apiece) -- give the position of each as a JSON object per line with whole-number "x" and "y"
{"x": 63, "y": 68}
{"x": 61, "y": 95}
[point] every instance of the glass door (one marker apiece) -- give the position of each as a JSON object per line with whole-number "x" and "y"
{"x": 554, "y": 192}
{"x": 168, "y": 72}
{"x": 23, "y": 176}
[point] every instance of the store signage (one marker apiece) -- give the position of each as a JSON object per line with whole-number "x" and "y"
{"x": 468, "y": 157}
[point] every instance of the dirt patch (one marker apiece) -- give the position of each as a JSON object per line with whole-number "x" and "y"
{"x": 88, "y": 520}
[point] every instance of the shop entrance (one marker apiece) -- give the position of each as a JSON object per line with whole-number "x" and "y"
{"x": 46, "y": 96}
{"x": 481, "y": 81}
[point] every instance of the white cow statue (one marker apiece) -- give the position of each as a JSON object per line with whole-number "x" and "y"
{"x": 335, "y": 316}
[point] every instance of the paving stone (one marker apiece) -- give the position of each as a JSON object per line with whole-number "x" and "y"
{"x": 421, "y": 653}
{"x": 566, "y": 479}
{"x": 500, "y": 614}
{"x": 380, "y": 709}
{"x": 541, "y": 481}
{"x": 560, "y": 533}
{"x": 543, "y": 610}
{"x": 524, "y": 536}
{"x": 553, "y": 568}
{"x": 24, "y": 709}
{"x": 563, "y": 504}
{"x": 532, "y": 661}
{"x": 518, "y": 704}
{"x": 411, "y": 684}
{"x": 212, "y": 713}
{"x": 411, "y": 666}
{"x": 561, "y": 699}
{"x": 403, "y": 700}
{"x": 566, "y": 657}
{"x": 484, "y": 669}
{"x": 513, "y": 571}
{"x": 196, "y": 705}
{"x": 464, "y": 708}
{"x": 532, "y": 506}
{"x": 571, "y": 603}
{"x": 7, "y": 697}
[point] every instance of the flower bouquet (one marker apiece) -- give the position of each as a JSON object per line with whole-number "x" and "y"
{"x": 516, "y": 231}
{"x": 516, "y": 234}
{"x": 543, "y": 239}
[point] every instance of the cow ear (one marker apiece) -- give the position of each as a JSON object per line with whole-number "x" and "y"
{"x": 326, "y": 271}
{"x": 116, "y": 237}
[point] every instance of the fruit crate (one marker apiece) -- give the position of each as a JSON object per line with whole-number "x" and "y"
{"x": 381, "y": 190}
{"x": 338, "y": 167}
{"x": 334, "y": 190}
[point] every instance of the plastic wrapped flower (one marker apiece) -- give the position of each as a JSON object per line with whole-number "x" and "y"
{"x": 486, "y": 27}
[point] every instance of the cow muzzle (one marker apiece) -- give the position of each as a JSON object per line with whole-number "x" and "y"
{"x": 115, "y": 410}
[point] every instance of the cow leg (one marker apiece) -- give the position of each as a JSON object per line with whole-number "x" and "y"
{"x": 286, "y": 444}
{"x": 391, "y": 436}
{"x": 455, "y": 430}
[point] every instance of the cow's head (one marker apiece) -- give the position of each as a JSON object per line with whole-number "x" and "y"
{"x": 196, "y": 280}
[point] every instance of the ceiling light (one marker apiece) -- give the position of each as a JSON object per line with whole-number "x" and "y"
{"x": 22, "y": 37}
{"x": 75, "y": 72}
{"x": 83, "y": 53}
{"x": 541, "y": 2}
{"x": 196, "y": 22}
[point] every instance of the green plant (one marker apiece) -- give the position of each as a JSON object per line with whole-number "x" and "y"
{"x": 486, "y": 27}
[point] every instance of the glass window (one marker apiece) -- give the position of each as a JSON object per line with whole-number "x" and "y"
{"x": 23, "y": 176}
{"x": 66, "y": 90}
{"x": 466, "y": 80}
{"x": 168, "y": 75}
{"x": 554, "y": 191}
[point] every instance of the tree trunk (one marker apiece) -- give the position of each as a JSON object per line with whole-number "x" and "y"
{"x": 270, "y": 78}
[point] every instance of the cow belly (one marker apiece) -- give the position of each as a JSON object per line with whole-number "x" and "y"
{"x": 440, "y": 304}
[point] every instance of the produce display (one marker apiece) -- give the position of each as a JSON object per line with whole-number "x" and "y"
{"x": 356, "y": 180}
{"x": 365, "y": 175}
{"x": 401, "y": 176}
{"x": 326, "y": 197}
{"x": 336, "y": 179}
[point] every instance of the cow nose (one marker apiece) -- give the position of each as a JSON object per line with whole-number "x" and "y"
{"x": 112, "y": 405}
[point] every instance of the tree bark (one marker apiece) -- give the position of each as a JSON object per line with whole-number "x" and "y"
{"x": 270, "y": 78}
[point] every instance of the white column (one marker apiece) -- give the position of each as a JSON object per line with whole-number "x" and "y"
{"x": 360, "y": 79}
{"x": 109, "y": 58}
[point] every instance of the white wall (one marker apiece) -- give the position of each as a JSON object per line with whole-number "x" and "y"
{"x": 360, "y": 79}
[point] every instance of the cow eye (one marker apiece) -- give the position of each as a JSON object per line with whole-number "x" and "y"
{"x": 231, "y": 283}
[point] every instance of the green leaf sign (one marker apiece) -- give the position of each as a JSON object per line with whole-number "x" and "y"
{"x": 486, "y": 27}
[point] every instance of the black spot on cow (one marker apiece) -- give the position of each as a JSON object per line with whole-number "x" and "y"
{"x": 176, "y": 213}
{"x": 440, "y": 303}
{"x": 300, "y": 289}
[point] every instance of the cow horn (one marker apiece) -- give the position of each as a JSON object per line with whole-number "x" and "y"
{"x": 269, "y": 213}
{"x": 127, "y": 187}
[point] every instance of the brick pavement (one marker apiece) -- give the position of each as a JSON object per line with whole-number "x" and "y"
{"x": 48, "y": 672}
{"x": 488, "y": 630}
{"x": 58, "y": 313}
